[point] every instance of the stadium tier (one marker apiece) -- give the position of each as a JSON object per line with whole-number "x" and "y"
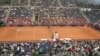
{"x": 3, "y": 12}
{"x": 5, "y": 2}
{"x": 49, "y": 48}
{"x": 93, "y": 15}
{"x": 45, "y": 3}
{"x": 61, "y": 16}
{"x": 71, "y": 3}
{"x": 97, "y": 25}
{"x": 20, "y": 16}
{"x": 19, "y": 2}
{"x": 45, "y": 13}
{"x": 88, "y": 4}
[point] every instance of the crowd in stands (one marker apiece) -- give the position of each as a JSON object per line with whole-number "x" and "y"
{"x": 46, "y": 12}
{"x": 19, "y": 2}
{"x": 20, "y": 16}
{"x": 20, "y": 12}
{"x": 49, "y": 12}
{"x": 3, "y": 12}
{"x": 19, "y": 21}
{"x": 63, "y": 22}
{"x": 97, "y": 25}
{"x": 70, "y": 12}
{"x": 47, "y": 16}
{"x": 61, "y": 16}
{"x": 44, "y": 3}
{"x": 88, "y": 4}
{"x": 71, "y": 3}
{"x": 51, "y": 48}
{"x": 93, "y": 15}
{"x": 5, "y": 2}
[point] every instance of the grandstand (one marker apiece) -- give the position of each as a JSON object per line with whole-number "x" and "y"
{"x": 93, "y": 15}
{"x": 27, "y": 28}
{"x": 49, "y": 13}
{"x": 5, "y": 2}
{"x": 97, "y": 25}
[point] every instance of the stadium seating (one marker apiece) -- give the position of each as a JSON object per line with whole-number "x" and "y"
{"x": 93, "y": 15}
{"x": 97, "y": 25}
{"x": 5, "y": 2}
{"x": 71, "y": 3}
{"x": 20, "y": 16}
{"x": 62, "y": 22}
{"x": 20, "y": 12}
{"x": 44, "y": 3}
{"x": 44, "y": 9}
{"x": 61, "y": 16}
{"x": 19, "y": 21}
{"x": 50, "y": 48}
{"x": 20, "y": 2}
{"x": 88, "y": 4}
{"x": 3, "y": 12}
{"x": 49, "y": 12}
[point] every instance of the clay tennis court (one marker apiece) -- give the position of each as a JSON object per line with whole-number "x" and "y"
{"x": 44, "y": 32}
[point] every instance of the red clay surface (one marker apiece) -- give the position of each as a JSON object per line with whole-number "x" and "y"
{"x": 43, "y": 32}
